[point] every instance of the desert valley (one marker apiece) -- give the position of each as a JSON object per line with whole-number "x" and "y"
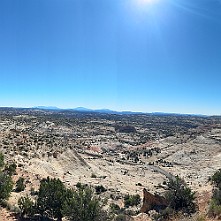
{"x": 122, "y": 152}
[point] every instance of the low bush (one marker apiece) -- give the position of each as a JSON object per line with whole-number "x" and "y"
{"x": 81, "y": 186}
{"x": 180, "y": 196}
{"x": 114, "y": 208}
{"x": 214, "y": 209}
{"x": 1, "y": 160}
{"x": 215, "y": 204}
{"x": 10, "y": 169}
{"x": 6, "y": 186}
{"x": 121, "y": 217}
{"x": 93, "y": 175}
{"x": 26, "y": 206}
{"x": 20, "y": 186}
{"x": 100, "y": 189}
{"x": 131, "y": 200}
{"x": 216, "y": 178}
{"x": 81, "y": 205}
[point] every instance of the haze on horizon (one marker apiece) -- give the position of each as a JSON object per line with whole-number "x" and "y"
{"x": 149, "y": 56}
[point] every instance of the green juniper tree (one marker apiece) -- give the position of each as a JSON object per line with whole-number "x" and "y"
{"x": 82, "y": 205}
{"x": 1, "y": 160}
{"x": 20, "y": 186}
{"x": 27, "y": 206}
{"x": 6, "y": 186}
{"x": 180, "y": 196}
{"x": 215, "y": 204}
{"x": 51, "y": 196}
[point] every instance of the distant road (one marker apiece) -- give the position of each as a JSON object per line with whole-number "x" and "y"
{"x": 162, "y": 171}
{"x": 152, "y": 167}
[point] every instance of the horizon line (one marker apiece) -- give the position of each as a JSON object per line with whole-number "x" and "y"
{"x": 85, "y": 109}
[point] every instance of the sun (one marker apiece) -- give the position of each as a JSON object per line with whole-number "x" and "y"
{"x": 144, "y": 8}
{"x": 144, "y": 2}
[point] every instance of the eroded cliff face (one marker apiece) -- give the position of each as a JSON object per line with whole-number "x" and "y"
{"x": 152, "y": 202}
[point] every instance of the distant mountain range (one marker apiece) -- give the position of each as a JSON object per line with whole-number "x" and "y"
{"x": 108, "y": 111}
{"x": 80, "y": 109}
{"x": 46, "y": 108}
{"x": 84, "y": 109}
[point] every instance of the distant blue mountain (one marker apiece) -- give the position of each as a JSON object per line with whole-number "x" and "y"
{"x": 131, "y": 112}
{"x": 47, "y": 108}
{"x": 108, "y": 111}
{"x": 83, "y": 109}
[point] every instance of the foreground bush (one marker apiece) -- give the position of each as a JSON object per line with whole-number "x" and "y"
{"x": 26, "y": 206}
{"x": 216, "y": 178}
{"x": 131, "y": 200}
{"x": 51, "y": 197}
{"x": 20, "y": 186}
{"x": 214, "y": 209}
{"x": 215, "y": 204}
{"x": 164, "y": 214}
{"x": 121, "y": 217}
{"x": 10, "y": 169}
{"x": 1, "y": 160}
{"x": 100, "y": 189}
{"x": 54, "y": 201}
{"x": 180, "y": 200}
{"x": 6, "y": 186}
{"x": 82, "y": 205}
{"x": 180, "y": 196}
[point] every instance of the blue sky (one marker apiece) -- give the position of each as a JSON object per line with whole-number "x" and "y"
{"x": 159, "y": 55}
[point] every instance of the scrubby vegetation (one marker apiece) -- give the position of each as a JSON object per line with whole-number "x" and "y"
{"x": 20, "y": 186}
{"x": 1, "y": 160}
{"x": 26, "y": 206}
{"x": 131, "y": 200}
{"x": 100, "y": 189}
{"x": 180, "y": 198}
{"x": 82, "y": 205}
{"x": 102, "y": 150}
{"x": 51, "y": 197}
{"x": 216, "y": 178}
{"x": 6, "y": 184}
{"x": 55, "y": 201}
{"x": 10, "y": 169}
{"x": 215, "y": 204}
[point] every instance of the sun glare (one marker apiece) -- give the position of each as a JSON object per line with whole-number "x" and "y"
{"x": 147, "y": 1}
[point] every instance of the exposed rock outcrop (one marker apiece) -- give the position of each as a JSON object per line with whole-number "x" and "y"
{"x": 152, "y": 202}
